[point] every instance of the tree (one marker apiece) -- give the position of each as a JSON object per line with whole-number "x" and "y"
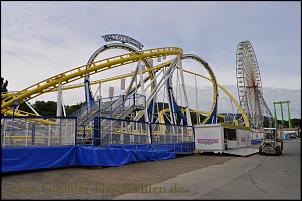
{"x": 296, "y": 123}
{"x": 72, "y": 108}
{"x": 3, "y": 85}
{"x": 25, "y": 108}
{"x": 48, "y": 108}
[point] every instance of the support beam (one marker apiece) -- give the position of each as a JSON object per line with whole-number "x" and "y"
{"x": 32, "y": 108}
{"x": 196, "y": 97}
{"x": 63, "y": 106}
{"x": 142, "y": 85}
{"x": 59, "y": 100}
{"x": 100, "y": 91}
{"x": 123, "y": 87}
{"x": 141, "y": 76}
{"x": 189, "y": 122}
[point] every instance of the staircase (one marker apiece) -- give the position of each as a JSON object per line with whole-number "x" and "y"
{"x": 119, "y": 108}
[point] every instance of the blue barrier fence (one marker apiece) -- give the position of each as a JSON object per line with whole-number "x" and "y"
{"x": 41, "y": 157}
{"x": 50, "y": 142}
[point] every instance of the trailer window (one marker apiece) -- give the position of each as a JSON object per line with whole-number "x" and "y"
{"x": 229, "y": 134}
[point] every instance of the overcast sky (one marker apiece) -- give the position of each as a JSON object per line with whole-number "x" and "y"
{"x": 41, "y": 39}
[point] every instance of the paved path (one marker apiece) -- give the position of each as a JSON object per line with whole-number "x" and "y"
{"x": 100, "y": 183}
{"x": 188, "y": 177}
{"x": 254, "y": 177}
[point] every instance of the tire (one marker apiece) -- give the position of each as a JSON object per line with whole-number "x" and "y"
{"x": 260, "y": 150}
{"x": 281, "y": 146}
{"x": 278, "y": 151}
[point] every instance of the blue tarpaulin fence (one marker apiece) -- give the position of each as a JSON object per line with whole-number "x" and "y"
{"x": 37, "y": 157}
{"x": 95, "y": 156}
{"x": 178, "y": 147}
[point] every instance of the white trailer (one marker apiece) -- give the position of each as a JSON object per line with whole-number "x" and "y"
{"x": 224, "y": 138}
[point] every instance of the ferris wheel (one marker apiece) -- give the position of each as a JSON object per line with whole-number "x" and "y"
{"x": 250, "y": 86}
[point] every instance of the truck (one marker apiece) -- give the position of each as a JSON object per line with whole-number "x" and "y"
{"x": 271, "y": 144}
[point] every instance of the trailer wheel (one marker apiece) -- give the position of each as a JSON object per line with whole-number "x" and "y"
{"x": 281, "y": 146}
{"x": 260, "y": 150}
{"x": 278, "y": 151}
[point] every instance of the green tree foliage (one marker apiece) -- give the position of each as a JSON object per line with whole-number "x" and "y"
{"x": 25, "y": 108}
{"x": 3, "y": 85}
{"x": 296, "y": 123}
{"x": 72, "y": 108}
{"x": 48, "y": 108}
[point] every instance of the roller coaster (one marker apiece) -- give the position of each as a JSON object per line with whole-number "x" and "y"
{"x": 154, "y": 93}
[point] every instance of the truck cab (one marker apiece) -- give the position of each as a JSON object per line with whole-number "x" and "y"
{"x": 271, "y": 144}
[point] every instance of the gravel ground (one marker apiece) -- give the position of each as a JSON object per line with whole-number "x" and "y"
{"x": 100, "y": 183}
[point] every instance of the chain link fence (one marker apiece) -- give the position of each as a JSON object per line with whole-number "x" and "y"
{"x": 37, "y": 131}
{"x": 110, "y": 131}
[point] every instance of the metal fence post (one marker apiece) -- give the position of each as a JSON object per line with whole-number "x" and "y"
{"x": 76, "y": 131}
{"x": 11, "y": 132}
{"x": 182, "y": 133}
{"x": 96, "y": 132}
{"x": 171, "y": 132}
{"x": 48, "y": 134}
{"x": 110, "y": 136}
{"x": 150, "y": 129}
{"x": 134, "y": 99}
{"x": 4, "y": 131}
{"x": 122, "y": 133}
{"x": 33, "y": 134}
{"x": 26, "y": 133}
{"x": 60, "y": 132}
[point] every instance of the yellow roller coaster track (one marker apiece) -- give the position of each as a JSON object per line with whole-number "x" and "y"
{"x": 21, "y": 113}
{"x": 73, "y": 86}
{"x": 14, "y": 95}
{"x": 67, "y": 87}
{"x": 79, "y": 72}
{"x": 213, "y": 80}
{"x": 167, "y": 63}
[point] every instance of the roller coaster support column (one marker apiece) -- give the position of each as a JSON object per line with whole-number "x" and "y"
{"x": 64, "y": 111}
{"x": 59, "y": 100}
{"x": 141, "y": 75}
{"x": 196, "y": 94}
{"x": 100, "y": 91}
{"x": 59, "y": 111}
{"x": 32, "y": 108}
{"x": 189, "y": 122}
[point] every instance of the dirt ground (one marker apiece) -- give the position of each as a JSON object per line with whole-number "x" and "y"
{"x": 100, "y": 183}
